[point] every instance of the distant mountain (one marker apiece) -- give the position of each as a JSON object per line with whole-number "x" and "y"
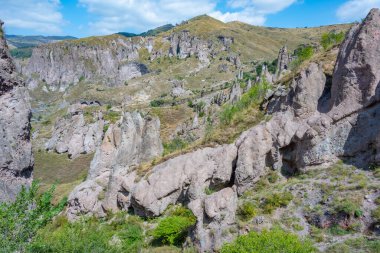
{"x": 20, "y": 41}
{"x": 152, "y": 32}
{"x": 21, "y": 46}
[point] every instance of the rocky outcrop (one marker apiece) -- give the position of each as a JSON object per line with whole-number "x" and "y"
{"x": 16, "y": 160}
{"x": 183, "y": 45}
{"x": 108, "y": 60}
{"x": 73, "y": 135}
{"x": 313, "y": 122}
{"x": 191, "y": 175}
{"x": 283, "y": 61}
{"x": 126, "y": 144}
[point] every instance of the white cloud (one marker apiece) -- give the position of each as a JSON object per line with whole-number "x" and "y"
{"x": 356, "y": 9}
{"x": 121, "y": 15}
{"x": 118, "y": 15}
{"x": 252, "y": 11}
{"x": 38, "y": 15}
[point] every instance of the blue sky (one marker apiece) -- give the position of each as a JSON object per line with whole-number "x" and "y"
{"x": 83, "y": 18}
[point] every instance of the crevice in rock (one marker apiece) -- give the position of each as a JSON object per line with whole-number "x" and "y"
{"x": 234, "y": 165}
{"x": 289, "y": 166}
{"x": 323, "y": 101}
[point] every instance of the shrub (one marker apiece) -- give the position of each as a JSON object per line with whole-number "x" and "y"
{"x": 157, "y": 103}
{"x": 276, "y": 200}
{"x": 89, "y": 235}
{"x": 302, "y": 53}
{"x": 376, "y": 214}
{"x": 253, "y": 96}
{"x": 174, "y": 145}
{"x": 21, "y": 53}
{"x": 173, "y": 229}
{"x": 347, "y": 206}
{"x": 20, "y": 220}
{"x": 331, "y": 39}
{"x": 247, "y": 211}
{"x": 112, "y": 116}
{"x": 274, "y": 241}
{"x": 360, "y": 244}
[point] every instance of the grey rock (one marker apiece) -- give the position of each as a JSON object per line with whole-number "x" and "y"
{"x": 71, "y": 134}
{"x": 16, "y": 159}
{"x": 126, "y": 144}
{"x": 190, "y": 175}
{"x": 215, "y": 218}
{"x": 112, "y": 62}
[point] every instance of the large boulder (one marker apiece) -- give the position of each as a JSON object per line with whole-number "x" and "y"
{"x": 184, "y": 178}
{"x": 16, "y": 160}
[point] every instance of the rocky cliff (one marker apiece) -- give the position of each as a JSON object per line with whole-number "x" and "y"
{"x": 126, "y": 144}
{"x": 16, "y": 160}
{"x": 313, "y": 123}
{"x": 109, "y": 60}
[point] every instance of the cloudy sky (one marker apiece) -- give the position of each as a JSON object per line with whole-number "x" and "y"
{"x": 95, "y": 17}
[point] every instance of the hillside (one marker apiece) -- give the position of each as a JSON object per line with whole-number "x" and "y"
{"x": 202, "y": 137}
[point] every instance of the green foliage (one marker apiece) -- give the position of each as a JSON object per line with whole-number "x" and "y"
{"x": 276, "y": 200}
{"x": 272, "y": 66}
{"x": 361, "y": 244}
{"x": 376, "y": 214}
{"x": 173, "y": 229}
{"x": 274, "y": 241}
{"x": 331, "y": 39}
{"x": 21, "y": 53}
{"x": 247, "y": 211}
{"x": 348, "y": 206}
{"x": 157, "y": 103}
{"x": 253, "y": 97}
{"x": 302, "y": 53}
{"x": 273, "y": 177}
{"x": 174, "y": 145}
{"x": 89, "y": 235}
{"x": 20, "y": 220}
{"x": 112, "y": 116}
{"x": 259, "y": 70}
{"x": 199, "y": 108}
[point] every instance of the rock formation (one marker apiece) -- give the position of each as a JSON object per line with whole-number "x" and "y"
{"x": 284, "y": 60}
{"x": 313, "y": 123}
{"x": 111, "y": 61}
{"x": 16, "y": 160}
{"x": 126, "y": 144}
{"x": 72, "y": 135}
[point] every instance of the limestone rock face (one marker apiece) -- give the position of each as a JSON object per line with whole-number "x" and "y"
{"x": 16, "y": 160}
{"x": 314, "y": 123}
{"x": 111, "y": 62}
{"x": 190, "y": 175}
{"x": 126, "y": 144}
{"x": 184, "y": 45}
{"x": 74, "y": 136}
{"x": 215, "y": 217}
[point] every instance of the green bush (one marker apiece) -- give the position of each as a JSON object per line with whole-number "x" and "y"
{"x": 20, "y": 220}
{"x": 360, "y": 244}
{"x": 376, "y": 214}
{"x": 173, "y": 229}
{"x": 247, "y": 211}
{"x": 89, "y": 235}
{"x": 331, "y": 39}
{"x": 347, "y": 206}
{"x": 274, "y": 241}
{"x": 174, "y": 145}
{"x": 276, "y": 200}
{"x": 254, "y": 95}
{"x": 302, "y": 53}
{"x": 157, "y": 103}
{"x": 112, "y": 116}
